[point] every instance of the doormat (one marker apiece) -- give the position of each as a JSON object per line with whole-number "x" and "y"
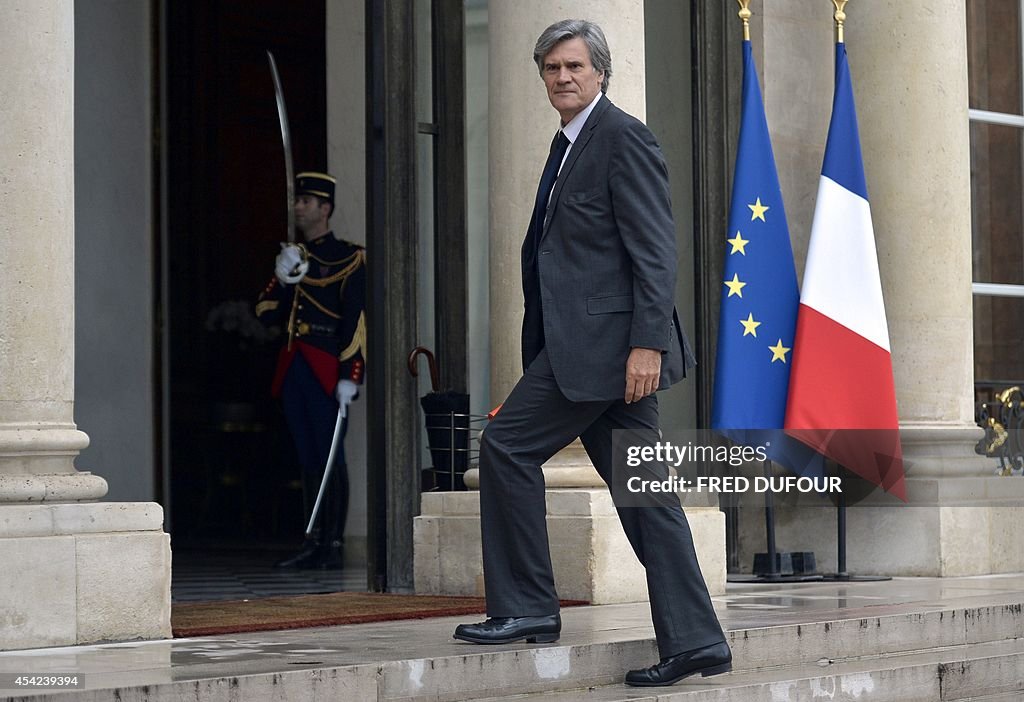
{"x": 298, "y": 612}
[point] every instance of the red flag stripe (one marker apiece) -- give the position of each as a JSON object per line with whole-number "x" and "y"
{"x": 840, "y": 380}
{"x": 842, "y": 400}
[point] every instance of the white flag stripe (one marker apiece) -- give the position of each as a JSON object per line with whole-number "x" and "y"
{"x": 841, "y": 275}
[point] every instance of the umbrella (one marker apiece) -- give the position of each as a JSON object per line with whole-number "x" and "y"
{"x": 447, "y": 422}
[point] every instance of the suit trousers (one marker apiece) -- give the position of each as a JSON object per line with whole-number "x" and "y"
{"x": 534, "y": 423}
{"x": 311, "y": 414}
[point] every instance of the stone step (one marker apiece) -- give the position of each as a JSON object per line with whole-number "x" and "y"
{"x": 882, "y": 633}
{"x": 756, "y": 650}
{"x": 966, "y": 640}
{"x": 986, "y": 672}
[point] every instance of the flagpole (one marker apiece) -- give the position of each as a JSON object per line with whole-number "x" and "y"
{"x": 769, "y": 520}
{"x": 842, "y": 575}
{"x": 840, "y": 17}
{"x": 745, "y": 15}
{"x": 771, "y": 571}
{"x": 772, "y": 574}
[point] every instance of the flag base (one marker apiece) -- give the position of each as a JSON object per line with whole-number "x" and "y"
{"x": 786, "y": 563}
{"x": 772, "y": 579}
{"x": 850, "y": 578}
{"x": 790, "y": 567}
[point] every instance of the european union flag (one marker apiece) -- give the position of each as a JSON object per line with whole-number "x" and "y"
{"x": 760, "y": 297}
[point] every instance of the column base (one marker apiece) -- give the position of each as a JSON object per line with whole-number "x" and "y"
{"x": 943, "y": 450}
{"x": 948, "y": 527}
{"x": 39, "y": 448}
{"x": 55, "y": 487}
{"x": 591, "y": 557}
{"x": 83, "y": 573}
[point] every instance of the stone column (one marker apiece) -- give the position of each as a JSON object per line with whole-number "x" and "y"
{"x": 522, "y": 123}
{"x": 38, "y": 438}
{"x": 591, "y": 557}
{"x": 915, "y": 138}
{"x": 346, "y": 160}
{"x": 915, "y": 142}
{"x": 73, "y": 573}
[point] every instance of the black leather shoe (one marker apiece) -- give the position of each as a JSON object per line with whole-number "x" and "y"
{"x": 307, "y": 558}
{"x": 498, "y": 630}
{"x": 710, "y": 660}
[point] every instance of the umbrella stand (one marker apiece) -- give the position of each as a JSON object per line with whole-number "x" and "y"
{"x": 453, "y": 438}
{"x": 451, "y": 435}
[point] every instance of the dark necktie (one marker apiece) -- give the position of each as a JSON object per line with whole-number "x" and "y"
{"x": 547, "y": 182}
{"x": 533, "y": 322}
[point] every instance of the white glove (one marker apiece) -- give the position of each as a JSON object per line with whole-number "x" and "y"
{"x": 345, "y": 393}
{"x": 290, "y": 266}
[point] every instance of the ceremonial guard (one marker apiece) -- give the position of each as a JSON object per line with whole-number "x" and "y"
{"x": 318, "y": 296}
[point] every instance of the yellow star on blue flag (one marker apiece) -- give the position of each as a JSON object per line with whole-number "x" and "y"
{"x": 757, "y": 211}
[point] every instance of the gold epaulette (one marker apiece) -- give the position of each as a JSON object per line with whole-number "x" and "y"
{"x": 265, "y": 306}
{"x": 358, "y": 343}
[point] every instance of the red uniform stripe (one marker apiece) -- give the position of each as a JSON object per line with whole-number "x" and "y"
{"x": 324, "y": 365}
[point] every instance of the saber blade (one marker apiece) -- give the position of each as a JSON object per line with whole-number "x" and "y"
{"x": 327, "y": 470}
{"x": 286, "y": 141}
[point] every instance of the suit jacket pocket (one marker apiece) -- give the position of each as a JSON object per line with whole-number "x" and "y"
{"x": 581, "y": 196}
{"x": 603, "y": 304}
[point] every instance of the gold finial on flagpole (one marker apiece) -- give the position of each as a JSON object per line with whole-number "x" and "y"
{"x": 745, "y": 15}
{"x": 840, "y": 19}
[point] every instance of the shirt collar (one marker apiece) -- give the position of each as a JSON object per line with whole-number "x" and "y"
{"x": 575, "y": 126}
{"x": 322, "y": 239}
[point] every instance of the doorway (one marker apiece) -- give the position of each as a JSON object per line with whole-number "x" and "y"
{"x": 234, "y": 481}
{"x": 234, "y": 484}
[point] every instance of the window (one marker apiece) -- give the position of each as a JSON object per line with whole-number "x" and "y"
{"x": 996, "y": 79}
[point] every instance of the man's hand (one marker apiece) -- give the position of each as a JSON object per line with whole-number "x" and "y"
{"x": 345, "y": 393}
{"x": 290, "y": 266}
{"x": 643, "y": 371}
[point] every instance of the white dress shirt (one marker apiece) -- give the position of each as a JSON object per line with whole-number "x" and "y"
{"x": 575, "y": 126}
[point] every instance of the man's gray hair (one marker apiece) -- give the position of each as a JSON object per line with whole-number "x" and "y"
{"x": 592, "y": 36}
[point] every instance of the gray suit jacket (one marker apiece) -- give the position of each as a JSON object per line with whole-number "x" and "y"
{"x": 602, "y": 278}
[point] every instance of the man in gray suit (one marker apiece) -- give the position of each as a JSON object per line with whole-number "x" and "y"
{"x": 600, "y": 336}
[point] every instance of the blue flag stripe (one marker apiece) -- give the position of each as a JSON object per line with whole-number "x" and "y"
{"x": 843, "y": 162}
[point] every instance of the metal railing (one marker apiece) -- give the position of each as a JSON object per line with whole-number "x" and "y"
{"x": 1002, "y": 418}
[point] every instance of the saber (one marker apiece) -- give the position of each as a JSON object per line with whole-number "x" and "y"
{"x": 286, "y": 141}
{"x": 327, "y": 470}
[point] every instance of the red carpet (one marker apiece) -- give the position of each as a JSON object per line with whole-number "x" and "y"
{"x": 298, "y": 612}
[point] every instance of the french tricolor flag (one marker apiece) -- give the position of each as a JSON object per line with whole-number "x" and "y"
{"x": 842, "y": 399}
